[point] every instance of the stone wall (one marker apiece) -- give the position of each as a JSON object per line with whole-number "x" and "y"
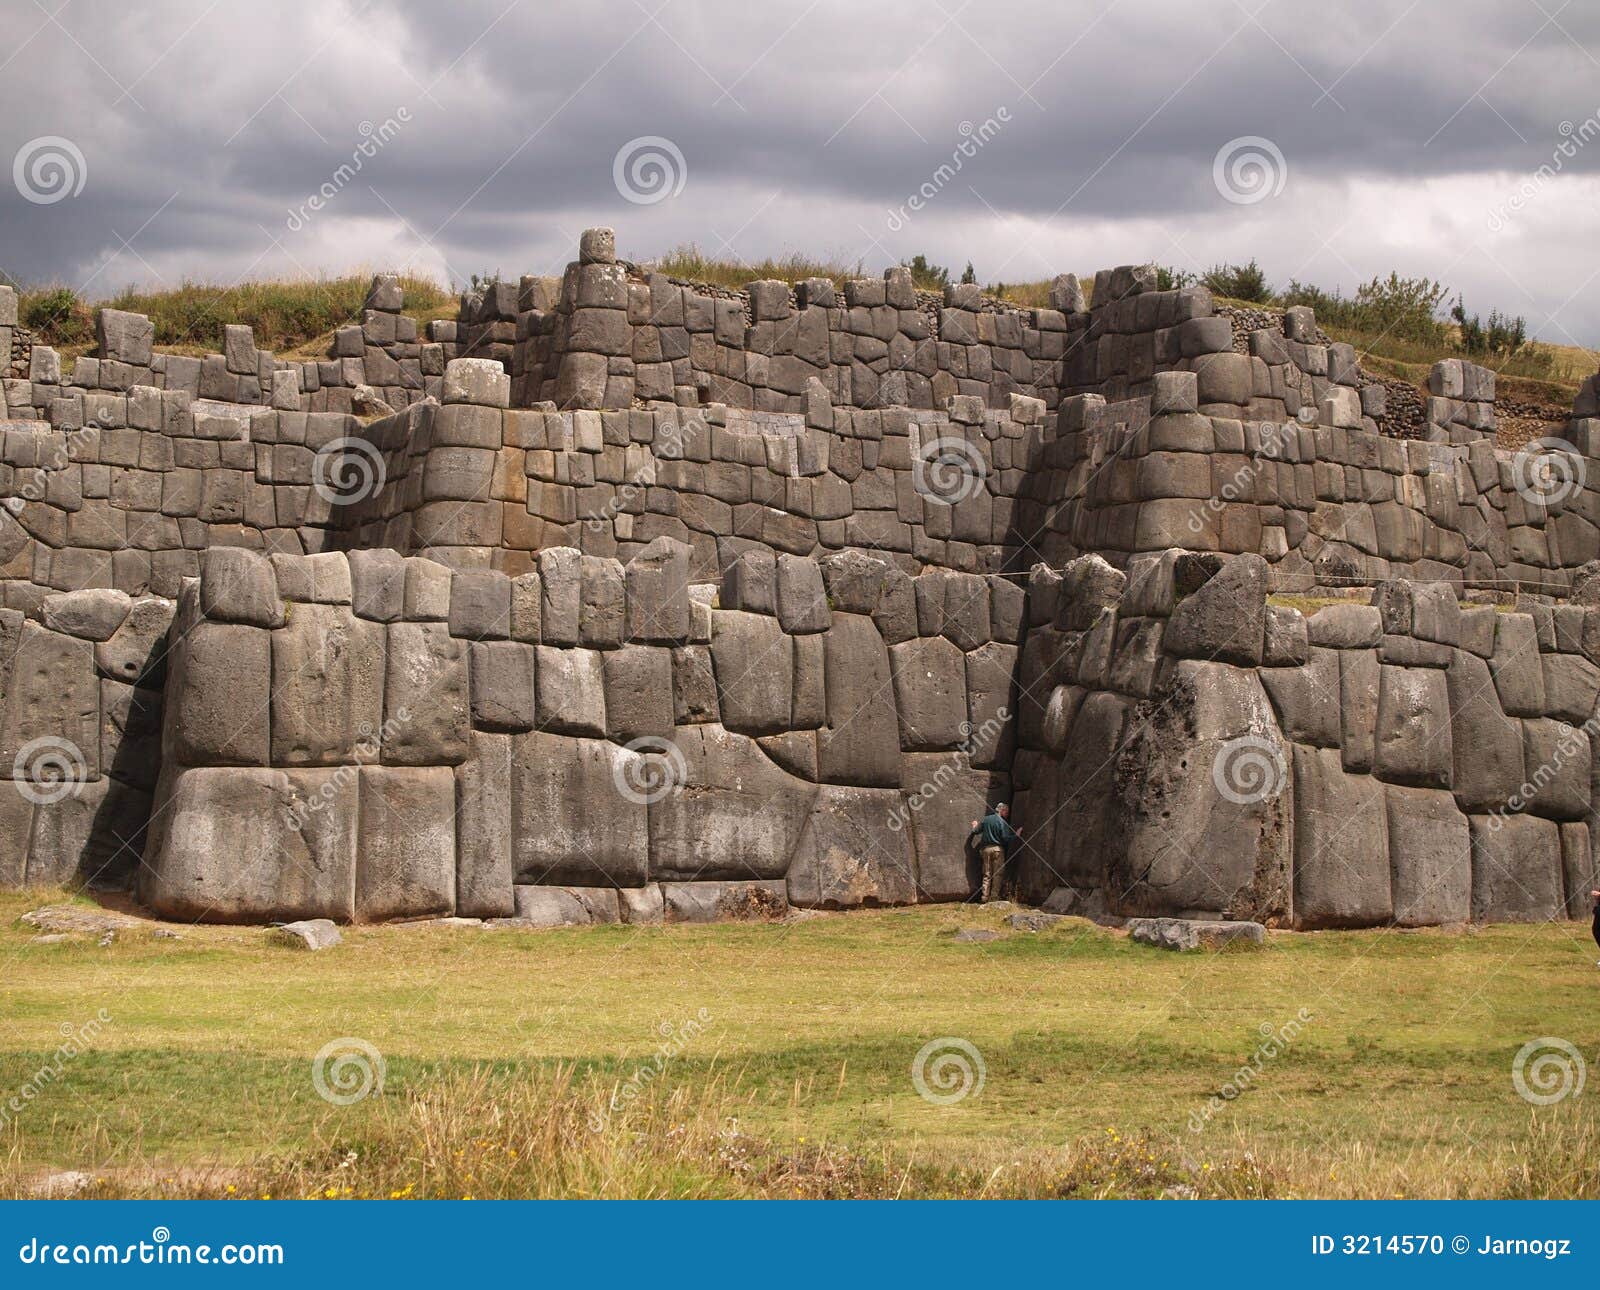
{"x": 429, "y": 623}
{"x": 372, "y": 737}
{"x": 80, "y": 736}
{"x": 478, "y": 483}
{"x": 1324, "y": 504}
{"x": 1187, "y": 747}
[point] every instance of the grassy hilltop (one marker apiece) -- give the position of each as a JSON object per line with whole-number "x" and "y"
{"x": 1401, "y": 326}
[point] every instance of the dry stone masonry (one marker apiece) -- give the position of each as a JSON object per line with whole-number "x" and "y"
{"x": 643, "y": 601}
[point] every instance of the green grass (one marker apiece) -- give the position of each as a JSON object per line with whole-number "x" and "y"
{"x": 1401, "y": 1082}
{"x": 286, "y": 315}
{"x": 691, "y": 264}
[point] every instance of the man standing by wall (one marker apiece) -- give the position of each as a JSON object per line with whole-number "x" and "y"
{"x": 995, "y": 837}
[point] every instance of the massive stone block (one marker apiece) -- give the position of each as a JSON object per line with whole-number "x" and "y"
{"x": 860, "y": 744}
{"x": 91, "y": 836}
{"x": 1516, "y": 869}
{"x": 219, "y": 683}
{"x": 502, "y": 685}
{"x": 943, "y": 795}
{"x": 406, "y": 843}
{"x": 754, "y": 664}
{"x": 1430, "y": 857}
{"x": 725, "y": 812}
{"x": 1341, "y": 851}
{"x": 1085, "y": 781}
{"x": 483, "y": 829}
{"x": 327, "y": 687}
{"x": 1226, "y": 619}
{"x": 930, "y": 693}
{"x": 579, "y": 812}
{"x": 850, "y": 854}
{"x": 1486, "y": 745}
{"x": 426, "y": 709}
{"x": 242, "y": 845}
{"x": 638, "y": 692}
{"x": 1204, "y": 822}
{"x": 1307, "y": 698}
{"x": 1412, "y": 742}
{"x": 571, "y": 691}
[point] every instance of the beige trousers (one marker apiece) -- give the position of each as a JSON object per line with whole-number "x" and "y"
{"x": 994, "y": 868}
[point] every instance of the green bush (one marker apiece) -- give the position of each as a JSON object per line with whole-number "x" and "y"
{"x": 1401, "y": 308}
{"x": 1247, "y": 282}
{"x": 57, "y": 317}
{"x": 929, "y": 276}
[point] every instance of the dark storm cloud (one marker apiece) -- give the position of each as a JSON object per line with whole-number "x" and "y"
{"x": 204, "y": 129}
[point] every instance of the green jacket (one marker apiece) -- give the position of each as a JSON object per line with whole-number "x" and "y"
{"x": 994, "y": 831}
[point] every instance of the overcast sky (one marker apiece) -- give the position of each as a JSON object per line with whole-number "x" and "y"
{"x": 1390, "y": 135}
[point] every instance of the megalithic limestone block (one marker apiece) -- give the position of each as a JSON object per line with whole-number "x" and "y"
{"x": 246, "y": 844}
{"x": 1205, "y": 806}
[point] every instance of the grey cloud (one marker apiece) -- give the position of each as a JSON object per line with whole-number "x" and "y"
{"x": 1116, "y": 113}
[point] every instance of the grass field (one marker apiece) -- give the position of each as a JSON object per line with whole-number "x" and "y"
{"x": 525, "y": 1063}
